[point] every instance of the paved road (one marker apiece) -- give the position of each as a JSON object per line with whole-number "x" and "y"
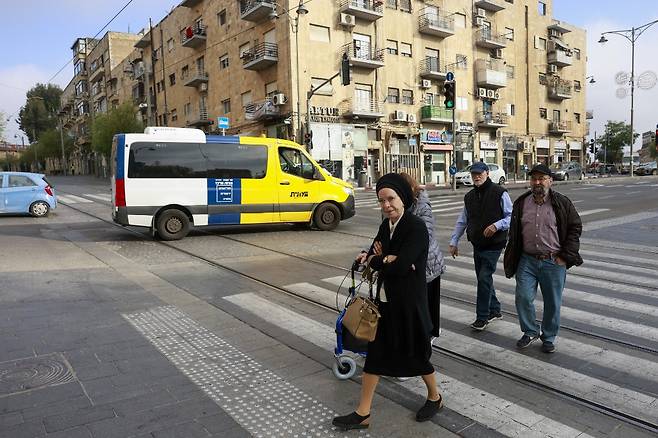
{"x": 127, "y": 337}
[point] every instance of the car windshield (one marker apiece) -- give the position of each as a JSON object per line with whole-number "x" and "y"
{"x": 466, "y": 169}
{"x": 557, "y": 166}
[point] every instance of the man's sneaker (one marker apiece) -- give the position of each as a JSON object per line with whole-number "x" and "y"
{"x": 548, "y": 347}
{"x": 495, "y": 315}
{"x": 479, "y": 324}
{"x": 525, "y": 341}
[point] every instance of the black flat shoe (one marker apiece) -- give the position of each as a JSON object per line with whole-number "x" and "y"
{"x": 351, "y": 421}
{"x": 429, "y": 409}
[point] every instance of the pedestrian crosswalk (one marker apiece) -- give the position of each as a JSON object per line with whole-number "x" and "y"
{"x": 610, "y": 308}
{"x": 83, "y": 198}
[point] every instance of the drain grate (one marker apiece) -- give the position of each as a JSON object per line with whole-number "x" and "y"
{"x": 33, "y": 373}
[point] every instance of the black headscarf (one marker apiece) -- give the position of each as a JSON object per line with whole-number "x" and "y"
{"x": 397, "y": 183}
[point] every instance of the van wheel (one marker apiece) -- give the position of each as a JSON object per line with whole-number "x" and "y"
{"x": 39, "y": 209}
{"x": 172, "y": 224}
{"x": 326, "y": 217}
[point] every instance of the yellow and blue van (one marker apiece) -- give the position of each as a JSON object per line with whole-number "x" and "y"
{"x": 171, "y": 179}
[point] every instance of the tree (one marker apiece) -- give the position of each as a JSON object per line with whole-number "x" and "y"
{"x": 39, "y": 113}
{"x": 612, "y": 142}
{"x": 50, "y": 144}
{"x": 119, "y": 120}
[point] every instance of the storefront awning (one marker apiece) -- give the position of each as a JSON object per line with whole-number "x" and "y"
{"x": 436, "y": 147}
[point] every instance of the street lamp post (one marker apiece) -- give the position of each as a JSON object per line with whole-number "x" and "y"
{"x": 631, "y": 35}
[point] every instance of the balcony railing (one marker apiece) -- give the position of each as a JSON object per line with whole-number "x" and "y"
{"x": 488, "y": 40}
{"x": 432, "y": 68}
{"x": 97, "y": 89}
{"x": 362, "y": 107}
{"x": 559, "y": 89}
{"x": 196, "y": 78}
{"x": 433, "y": 113}
{"x": 364, "y": 55}
{"x": 437, "y": 25}
{"x": 559, "y": 126}
{"x": 492, "y": 119}
{"x": 200, "y": 119}
{"x": 370, "y": 10}
{"x": 490, "y": 73}
{"x": 490, "y": 5}
{"x": 256, "y": 10}
{"x": 561, "y": 58}
{"x": 194, "y": 36}
{"x": 260, "y": 56}
{"x": 262, "y": 110}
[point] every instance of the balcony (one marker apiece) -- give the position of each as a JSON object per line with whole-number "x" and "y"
{"x": 190, "y": 3}
{"x": 487, "y": 40}
{"x": 194, "y": 36}
{"x": 436, "y": 114}
{"x": 97, "y": 89}
{"x": 260, "y": 56}
{"x": 437, "y": 25}
{"x": 490, "y": 73}
{"x": 559, "y": 126}
{"x": 560, "y": 89}
{"x": 197, "y": 78}
{"x": 370, "y": 10}
{"x": 256, "y": 10}
{"x": 432, "y": 68}
{"x": 364, "y": 55}
{"x": 144, "y": 42}
{"x": 97, "y": 71}
{"x": 490, "y": 119}
{"x": 561, "y": 58}
{"x": 490, "y": 5}
{"x": 262, "y": 110}
{"x": 363, "y": 108}
{"x": 200, "y": 119}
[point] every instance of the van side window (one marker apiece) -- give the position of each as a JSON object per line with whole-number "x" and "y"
{"x": 231, "y": 160}
{"x": 1, "y": 180}
{"x": 295, "y": 163}
{"x": 166, "y": 160}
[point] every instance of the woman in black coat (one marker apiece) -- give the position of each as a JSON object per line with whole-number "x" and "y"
{"x": 402, "y": 345}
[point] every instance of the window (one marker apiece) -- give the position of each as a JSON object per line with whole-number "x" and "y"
{"x": 174, "y": 115}
{"x": 542, "y": 79}
{"x": 462, "y": 103}
{"x": 170, "y": 44}
{"x": 461, "y": 62}
{"x": 223, "y": 61}
{"x": 243, "y": 48}
{"x": 509, "y": 33}
{"x": 510, "y": 71}
{"x": 246, "y": 98}
{"x": 226, "y": 105}
{"x": 405, "y": 49}
{"x": 577, "y": 117}
{"x": 543, "y": 113}
{"x": 429, "y": 98}
{"x": 511, "y": 109}
{"x": 319, "y": 33}
{"x": 405, "y": 5}
{"x": 392, "y": 4}
{"x": 576, "y": 53}
{"x": 326, "y": 90}
{"x": 184, "y": 72}
{"x": 393, "y": 95}
{"x": 408, "y": 97}
{"x": 166, "y": 160}
{"x": 172, "y": 79}
{"x": 157, "y": 87}
{"x": 79, "y": 67}
{"x": 235, "y": 160}
{"x": 392, "y": 47}
{"x": 187, "y": 109}
{"x": 271, "y": 88}
{"x": 20, "y": 181}
{"x": 221, "y": 17}
{"x": 293, "y": 162}
{"x": 576, "y": 85}
{"x": 541, "y": 8}
{"x": 540, "y": 43}
{"x": 460, "y": 20}
{"x": 1, "y": 180}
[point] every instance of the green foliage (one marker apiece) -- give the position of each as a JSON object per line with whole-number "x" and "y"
{"x": 612, "y": 142}
{"x": 50, "y": 145}
{"x": 39, "y": 113}
{"x": 117, "y": 121}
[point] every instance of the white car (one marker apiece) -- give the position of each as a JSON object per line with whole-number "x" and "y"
{"x": 496, "y": 173}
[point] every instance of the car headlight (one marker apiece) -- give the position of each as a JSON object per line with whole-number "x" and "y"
{"x": 348, "y": 191}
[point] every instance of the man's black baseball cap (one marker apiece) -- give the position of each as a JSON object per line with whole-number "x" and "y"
{"x": 541, "y": 168}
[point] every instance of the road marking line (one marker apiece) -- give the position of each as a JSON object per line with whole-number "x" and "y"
{"x": 596, "y": 210}
{"x": 604, "y": 223}
{"x": 78, "y": 199}
{"x": 617, "y": 257}
{"x": 597, "y": 243}
{"x": 106, "y": 198}
{"x": 498, "y": 413}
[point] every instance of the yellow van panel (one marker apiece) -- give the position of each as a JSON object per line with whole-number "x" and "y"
{"x": 259, "y": 218}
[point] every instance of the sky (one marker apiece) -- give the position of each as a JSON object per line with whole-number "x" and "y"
{"x": 43, "y": 34}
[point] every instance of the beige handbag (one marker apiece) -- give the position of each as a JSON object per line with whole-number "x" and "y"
{"x": 361, "y": 318}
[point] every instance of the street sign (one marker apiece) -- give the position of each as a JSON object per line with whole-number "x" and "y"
{"x": 450, "y": 76}
{"x": 452, "y": 170}
{"x": 222, "y": 122}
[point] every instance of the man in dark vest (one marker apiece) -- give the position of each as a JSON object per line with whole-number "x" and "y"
{"x": 485, "y": 218}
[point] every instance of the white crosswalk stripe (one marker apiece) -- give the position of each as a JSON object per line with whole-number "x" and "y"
{"x": 72, "y": 199}
{"x": 596, "y": 210}
{"x": 106, "y": 198}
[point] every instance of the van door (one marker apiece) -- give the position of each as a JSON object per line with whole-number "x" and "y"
{"x": 297, "y": 188}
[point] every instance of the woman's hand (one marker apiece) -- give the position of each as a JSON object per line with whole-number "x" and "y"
{"x": 390, "y": 258}
{"x": 377, "y": 248}
{"x": 362, "y": 257}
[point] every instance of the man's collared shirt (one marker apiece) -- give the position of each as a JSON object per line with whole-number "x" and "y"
{"x": 539, "y": 227}
{"x": 502, "y": 224}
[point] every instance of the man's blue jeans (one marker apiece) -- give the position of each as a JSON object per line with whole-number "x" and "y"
{"x": 485, "y": 266}
{"x": 550, "y": 277}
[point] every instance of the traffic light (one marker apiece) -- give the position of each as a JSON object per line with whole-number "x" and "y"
{"x": 592, "y": 146}
{"x": 449, "y": 94}
{"x": 308, "y": 140}
{"x": 345, "y": 70}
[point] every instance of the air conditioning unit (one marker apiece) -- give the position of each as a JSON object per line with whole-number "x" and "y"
{"x": 554, "y": 33}
{"x": 479, "y": 21}
{"x": 496, "y": 94}
{"x": 411, "y": 118}
{"x": 399, "y": 116}
{"x": 491, "y": 94}
{"x": 203, "y": 86}
{"x": 552, "y": 68}
{"x": 527, "y": 147}
{"x": 481, "y": 13}
{"x": 347, "y": 19}
{"x": 279, "y": 99}
{"x": 482, "y": 92}
{"x": 497, "y": 53}
{"x": 425, "y": 83}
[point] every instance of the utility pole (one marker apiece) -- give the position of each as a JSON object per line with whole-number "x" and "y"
{"x": 61, "y": 142}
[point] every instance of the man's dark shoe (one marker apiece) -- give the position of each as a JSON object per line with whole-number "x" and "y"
{"x": 479, "y": 324}
{"x": 352, "y": 421}
{"x": 494, "y": 316}
{"x": 548, "y": 347}
{"x": 525, "y": 341}
{"x": 429, "y": 409}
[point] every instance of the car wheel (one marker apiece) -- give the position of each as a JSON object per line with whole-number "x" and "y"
{"x": 582, "y": 176}
{"x": 326, "y": 216}
{"x": 172, "y": 224}
{"x": 501, "y": 181}
{"x": 654, "y": 172}
{"x": 39, "y": 209}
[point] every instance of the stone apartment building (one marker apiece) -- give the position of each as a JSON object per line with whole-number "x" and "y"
{"x": 520, "y": 77}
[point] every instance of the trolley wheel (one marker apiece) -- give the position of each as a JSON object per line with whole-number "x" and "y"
{"x": 344, "y": 367}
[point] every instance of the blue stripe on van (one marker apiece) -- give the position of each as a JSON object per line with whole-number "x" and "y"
{"x": 233, "y": 139}
{"x": 224, "y": 191}
{"x": 224, "y": 218}
{"x": 121, "y": 153}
